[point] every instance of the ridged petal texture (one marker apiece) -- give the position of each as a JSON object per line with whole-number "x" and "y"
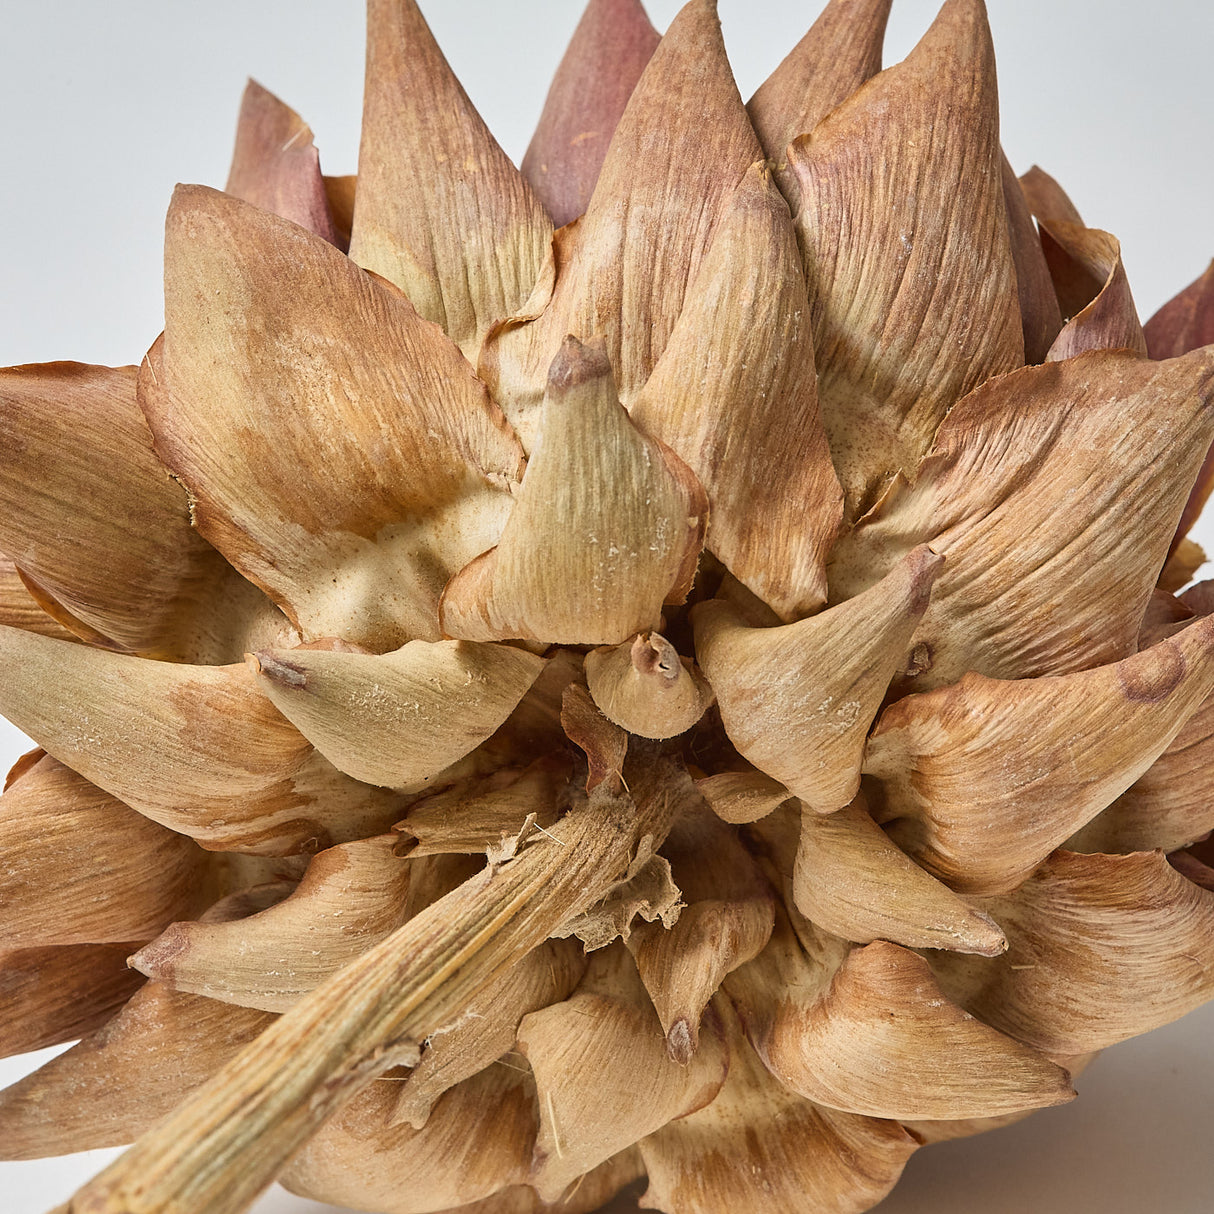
{"x": 668, "y": 667}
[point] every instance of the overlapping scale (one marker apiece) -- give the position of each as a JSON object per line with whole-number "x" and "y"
{"x": 277, "y": 348}
{"x": 904, "y": 234}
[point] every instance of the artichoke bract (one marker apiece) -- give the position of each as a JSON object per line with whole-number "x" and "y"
{"x": 672, "y": 661}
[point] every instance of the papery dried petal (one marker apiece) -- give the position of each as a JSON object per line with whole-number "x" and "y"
{"x": 399, "y": 718}
{"x": 914, "y": 298}
{"x": 60, "y": 993}
{"x": 1184, "y": 323}
{"x": 472, "y": 818}
{"x": 613, "y": 42}
{"x": 461, "y": 1155}
{"x": 122, "y": 1079}
{"x": 841, "y": 51}
{"x": 1169, "y": 806}
{"x": 1040, "y": 316}
{"x": 726, "y": 921}
{"x": 20, "y": 609}
{"x": 195, "y": 748}
{"x": 867, "y": 1030}
{"x": 758, "y": 1147}
{"x": 592, "y": 1106}
{"x": 442, "y": 212}
{"x": 92, "y": 519}
{"x": 742, "y": 796}
{"x": 605, "y": 744}
{"x": 853, "y": 881}
{"x": 79, "y": 867}
{"x": 742, "y": 408}
{"x": 644, "y": 687}
{"x": 350, "y": 898}
{"x": 1053, "y": 515}
{"x": 340, "y": 192}
{"x": 798, "y": 700}
{"x": 487, "y": 1031}
{"x": 681, "y": 147}
{"x": 1080, "y": 259}
{"x": 277, "y": 347}
{"x": 607, "y": 527}
{"x": 275, "y": 164}
{"x": 1101, "y": 948}
{"x": 984, "y": 778}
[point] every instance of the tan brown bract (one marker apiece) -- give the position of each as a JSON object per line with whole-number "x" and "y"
{"x": 662, "y": 663}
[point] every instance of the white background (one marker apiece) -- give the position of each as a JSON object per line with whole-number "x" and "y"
{"x": 105, "y": 107}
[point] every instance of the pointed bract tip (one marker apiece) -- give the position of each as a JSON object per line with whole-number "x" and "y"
{"x": 578, "y": 363}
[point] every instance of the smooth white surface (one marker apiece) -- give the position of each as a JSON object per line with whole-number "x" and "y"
{"x": 105, "y": 107}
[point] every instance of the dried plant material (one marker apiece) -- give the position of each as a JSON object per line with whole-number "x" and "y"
{"x": 853, "y": 881}
{"x": 1080, "y": 259}
{"x": 604, "y": 743}
{"x": 350, "y": 898}
{"x": 590, "y": 1105}
{"x": 1076, "y": 976}
{"x": 646, "y": 688}
{"x": 1040, "y": 316}
{"x": 458, "y": 1157}
{"x": 224, "y": 615}
{"x": 945, "y": 1131}
{"x": 742, "y": 796}
{"x": 119, "y": 1081}
{"x": 811, "y": 1158}
{"x": 60, "y": 993}
{"x": 797, "y": 701}
{"x": 1184, "y": 323}
{"x": 534, "y": 727}
{"x": 275, "y": 164}
{"x": 19, "y": 608}
{"x": 868, "y": 1030}
{"x": 680, "y": 149}
{"x": 841, "y": 52}
{"x": 981, "y": 780}
{"x": 98, "y": 530}
{"x": 610, "y": 47}
{"x": 400, "y": 718}
{"x": 322, "y": 579}
{"x": 1185, "y": 559}
{"x": 195, "y": 748}
{"x": 647, "y": 892}
{"x": 442, "y": 212}
{"x": 587, "y": 1195}
{"x": 487, "y": 1030}
{"x": 1040, "y": 468}
{"x": 608, "y": 525}
{"x": 79, "y": 867}
{"x": 1165, "y": 616}
{"x": 726, "y": 921}
{"x": 24, "y": 764}
{"x": 310, "y": 1062}
{"x": 277, "y": 347}
{"x": 472, "y": 818}
{"x": 1170, "y": 805}
{"x": 914, "y": 300}
{"x": 340, "y": 193}
{"x": 742, "y": 410}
